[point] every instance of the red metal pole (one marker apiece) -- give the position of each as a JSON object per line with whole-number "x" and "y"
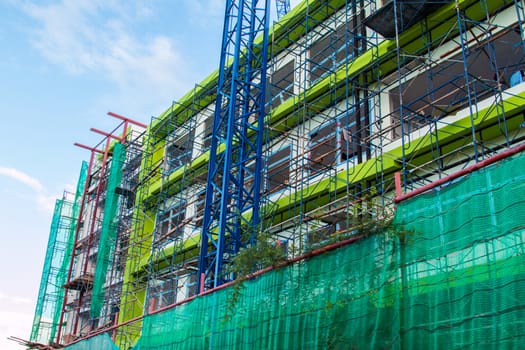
{"x": 505, "y": 154}
{"x": 201, "y": 287}
{"x": 92, "y": 224}
{"x": 77, "y": 230}
{"x": 106, "y": 134}
{"x": 113, "y": 333}
{"x": 118, "y": 116}
{"x": 397, "y": 179}
{"x": 88, "y": 148}
{"x": 124, "y": 133}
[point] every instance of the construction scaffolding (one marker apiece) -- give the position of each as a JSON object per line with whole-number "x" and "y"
{"x": 123, "y": 180}
{"x": 97, "y": 251}
{"x": 173, "y": 263}
{"x": 319, "y": 129}
{"x": 364, "y": 100}
{"x": 54, "y": 273}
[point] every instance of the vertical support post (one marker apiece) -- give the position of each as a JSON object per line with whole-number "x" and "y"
{"x": 75, "y": 242}
{"x": 397, "y": 17}
{"x": 520, "y": 12}
{"x": 464, "y": 48}
{"x": 397, "y": 179}
{"x": 92, "y": 224}
{"x": 201, "y": 286}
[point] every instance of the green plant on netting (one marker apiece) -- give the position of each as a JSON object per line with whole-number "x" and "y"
{"x": 364, "y": 218}
{"x": 403, "y": 234}
{"x": 337, "y": 339}
{"x": 264, "y": 253}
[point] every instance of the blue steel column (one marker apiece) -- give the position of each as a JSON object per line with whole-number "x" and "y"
{"x": 236, "y": 144}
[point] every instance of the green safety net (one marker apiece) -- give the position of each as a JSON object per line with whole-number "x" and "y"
{"x": 100, "y": 342}
{"x": 56, "y": 265}
{"x": 330, "y": 301}
{"x": 450, "y": 274}
{"x": 43, "y": 322}
{"x": 108, "y": 232}
{"x": 463, "y": 262}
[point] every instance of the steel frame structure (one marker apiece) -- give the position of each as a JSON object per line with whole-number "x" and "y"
{"x": 471, "y": 71}
{"x": 325, "y": 129}
{"x": 238, "y": 125}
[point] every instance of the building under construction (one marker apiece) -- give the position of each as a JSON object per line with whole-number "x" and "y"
{"x": 350, "y": 177}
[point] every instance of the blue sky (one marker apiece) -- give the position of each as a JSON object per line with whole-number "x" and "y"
{"x": 63, "y": 66}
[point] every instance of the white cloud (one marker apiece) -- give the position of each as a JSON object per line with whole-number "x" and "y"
{"x": 23, "y": 178}
{"x": 99, "y": 37}
{"x": 44, "y": 201}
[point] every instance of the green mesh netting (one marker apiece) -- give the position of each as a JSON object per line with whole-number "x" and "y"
{"x": 43, "y": 324}
{"x": 464, "y": 264}
{"x": 451, "y": 276}
{"x": 100, "y": 342}
{"x": 56, "y": 265}
{"x": 321, "y": 303}
{"x": 108, "y": 232}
